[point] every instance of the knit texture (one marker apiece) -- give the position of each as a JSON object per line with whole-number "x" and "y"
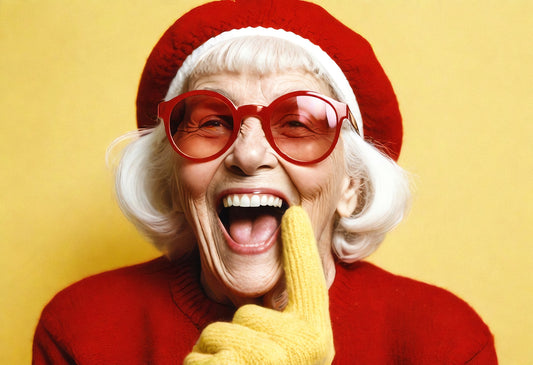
{"x": 382, "y": 122}
{"x": 154, "y": 312}
{"x": 299, "y": 335}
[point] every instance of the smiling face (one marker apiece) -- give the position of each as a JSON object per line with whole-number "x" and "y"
{"x": 234, "y": 203}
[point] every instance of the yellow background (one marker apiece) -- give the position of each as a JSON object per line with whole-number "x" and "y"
{"x": 463, "y": 74}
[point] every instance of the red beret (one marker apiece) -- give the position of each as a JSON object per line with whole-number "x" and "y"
{"x": 381, "y": 118}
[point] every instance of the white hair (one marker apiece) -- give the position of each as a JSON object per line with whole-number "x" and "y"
{"x": 145, "y": 179}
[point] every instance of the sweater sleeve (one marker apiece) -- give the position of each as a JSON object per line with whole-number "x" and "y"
{"x": 381, "y": 318}
{"x": 47, "y": 349}
{"x": 487, "y": 355}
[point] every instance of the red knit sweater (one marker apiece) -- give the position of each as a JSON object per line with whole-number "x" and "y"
{"x": 153, "y": 313}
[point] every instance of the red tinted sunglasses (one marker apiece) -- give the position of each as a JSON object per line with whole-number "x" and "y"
{"x": 303, "y": 127}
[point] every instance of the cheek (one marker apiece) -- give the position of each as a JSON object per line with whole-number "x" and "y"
{"x": 320, "y": 189}
{"x": 193, "y": 180}
{"x": 320, "y": 183}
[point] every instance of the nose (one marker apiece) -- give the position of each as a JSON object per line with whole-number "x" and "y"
{"x": 251, "y": 151}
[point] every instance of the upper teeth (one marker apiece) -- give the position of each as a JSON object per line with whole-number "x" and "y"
{"x": 251, "y": 200}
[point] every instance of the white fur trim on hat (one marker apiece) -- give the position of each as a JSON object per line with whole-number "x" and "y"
{"x": 335, "y": 76}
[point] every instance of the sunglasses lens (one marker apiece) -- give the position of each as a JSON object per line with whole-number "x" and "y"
{"x": 304, "y": 127}
{"x": 201, "y": 126}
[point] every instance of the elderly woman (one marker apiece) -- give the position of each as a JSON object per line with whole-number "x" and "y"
{"x": 265, "y": 171}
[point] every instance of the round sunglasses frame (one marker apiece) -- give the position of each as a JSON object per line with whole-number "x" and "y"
{"x": 239, "y": 113}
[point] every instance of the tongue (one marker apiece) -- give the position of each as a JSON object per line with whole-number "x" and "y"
{"x": 251, "y": 226}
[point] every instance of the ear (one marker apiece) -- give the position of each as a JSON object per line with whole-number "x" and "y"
{"x": 349, "y": 196}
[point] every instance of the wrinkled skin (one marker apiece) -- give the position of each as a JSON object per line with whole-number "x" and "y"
{"x": 322, "y": 189}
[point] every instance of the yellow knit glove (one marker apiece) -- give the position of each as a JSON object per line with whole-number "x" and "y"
{"x": 301, "y": 334}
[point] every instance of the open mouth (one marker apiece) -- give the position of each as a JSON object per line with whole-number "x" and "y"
{"x": 251, "y": 221}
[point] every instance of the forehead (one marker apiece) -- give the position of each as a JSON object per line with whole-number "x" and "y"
{"x": 253, "y": 88}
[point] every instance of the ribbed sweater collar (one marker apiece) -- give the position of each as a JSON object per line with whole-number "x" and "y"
{"x": 189, "y": 297}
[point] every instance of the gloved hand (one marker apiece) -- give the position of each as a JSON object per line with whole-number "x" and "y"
{"x": 301, "y": 334}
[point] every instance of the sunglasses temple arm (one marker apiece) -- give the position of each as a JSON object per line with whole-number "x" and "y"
{"x": 352, "y": 120}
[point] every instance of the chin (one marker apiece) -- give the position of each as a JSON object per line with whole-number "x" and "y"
{"x": 242, "y": 250}
{"x": 252, "y": 276}
{"x": 255, "y": 291}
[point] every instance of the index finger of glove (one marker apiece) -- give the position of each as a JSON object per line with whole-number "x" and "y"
{"x": 306, "y": 284}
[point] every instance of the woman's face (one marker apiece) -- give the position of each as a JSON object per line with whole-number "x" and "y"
{"x": 239, "y": 246}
